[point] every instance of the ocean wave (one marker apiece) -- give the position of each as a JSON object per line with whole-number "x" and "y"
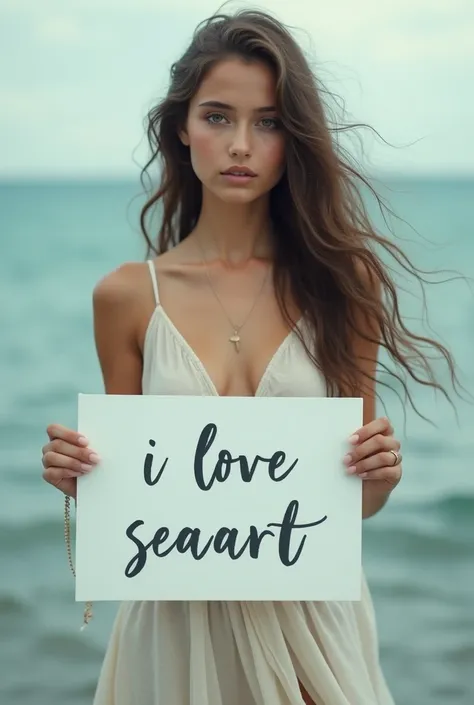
{"x": 420, "y": 542}
{"x": 14, "y": 605}
{"x": 457, "y": 505}
{"x": 17, "y": 536}
{"x": 69, "y": 647}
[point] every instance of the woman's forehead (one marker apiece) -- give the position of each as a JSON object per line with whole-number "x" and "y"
{"x": 241, "y": 85}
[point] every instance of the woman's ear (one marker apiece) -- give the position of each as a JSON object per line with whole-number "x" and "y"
{"x": 183, "y": 136}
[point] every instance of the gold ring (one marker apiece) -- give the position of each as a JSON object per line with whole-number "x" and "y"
{"x": 397, "y": 457}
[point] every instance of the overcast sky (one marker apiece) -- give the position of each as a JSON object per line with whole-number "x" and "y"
{"x": 78, "y": 76}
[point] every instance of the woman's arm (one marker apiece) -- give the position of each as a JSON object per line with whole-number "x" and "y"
{"x": 374, "y": 493}
{"x": 116, "y": 305}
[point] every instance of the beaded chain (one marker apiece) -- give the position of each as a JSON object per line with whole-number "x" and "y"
{"x": 67, "y": 540}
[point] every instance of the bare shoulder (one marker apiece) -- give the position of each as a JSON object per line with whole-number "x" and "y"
{"x": 120, "y": 299}
{"x": 122, "y": 286}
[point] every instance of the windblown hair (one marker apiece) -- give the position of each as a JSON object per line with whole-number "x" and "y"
{"x": 326, "y": 247}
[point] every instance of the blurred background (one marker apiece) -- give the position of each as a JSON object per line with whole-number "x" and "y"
{"x": 76, "y": 81}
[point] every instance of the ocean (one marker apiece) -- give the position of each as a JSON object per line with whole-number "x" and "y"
{"x": 57, "y": 240}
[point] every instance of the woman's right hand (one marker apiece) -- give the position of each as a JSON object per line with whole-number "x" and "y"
{"x": 66, "y": 457}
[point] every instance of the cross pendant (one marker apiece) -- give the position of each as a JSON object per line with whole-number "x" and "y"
{"x": 235, "y": 340}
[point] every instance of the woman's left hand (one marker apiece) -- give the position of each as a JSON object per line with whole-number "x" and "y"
{"x": 375, "y": 455}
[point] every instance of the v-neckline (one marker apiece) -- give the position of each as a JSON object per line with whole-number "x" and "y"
{"x": 194, "y": 357}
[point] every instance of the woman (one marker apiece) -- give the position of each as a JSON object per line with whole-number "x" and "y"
{"x": 266, "y": 283}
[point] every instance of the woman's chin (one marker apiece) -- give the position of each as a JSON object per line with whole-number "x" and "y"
{"x": 236, "y": 195}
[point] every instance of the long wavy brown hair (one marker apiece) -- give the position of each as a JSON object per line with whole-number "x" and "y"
{"x": 327, "y": 251}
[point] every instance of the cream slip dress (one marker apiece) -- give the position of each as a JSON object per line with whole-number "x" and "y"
{"x": 238, "y": 653}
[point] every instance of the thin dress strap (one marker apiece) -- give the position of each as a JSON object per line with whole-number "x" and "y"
{"x": 154, "y": 281}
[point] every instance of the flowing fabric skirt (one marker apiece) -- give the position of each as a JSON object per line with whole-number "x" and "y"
{"x": 243, "y": 653}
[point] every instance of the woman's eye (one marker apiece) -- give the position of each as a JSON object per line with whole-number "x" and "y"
{"x": 273, "y": 122}
{"x": 219, "y": 118}
{"x": 210, "y": 118}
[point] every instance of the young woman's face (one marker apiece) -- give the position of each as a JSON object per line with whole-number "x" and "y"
{"x": 232, "y": 122}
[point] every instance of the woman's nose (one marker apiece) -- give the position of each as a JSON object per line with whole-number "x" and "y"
{"x": 240, "y": 145}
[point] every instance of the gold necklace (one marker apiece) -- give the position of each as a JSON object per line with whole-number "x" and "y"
{"x": 67, "y": 539}
{"x": 235, "y": 337}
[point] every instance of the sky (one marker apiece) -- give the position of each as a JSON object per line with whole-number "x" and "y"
{"x": 77, "y": 78}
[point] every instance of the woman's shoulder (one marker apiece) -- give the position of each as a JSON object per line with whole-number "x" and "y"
{"x": 121, "y": 286}
{"x": 126, "y": 291}
{"x": 130, "y": 282}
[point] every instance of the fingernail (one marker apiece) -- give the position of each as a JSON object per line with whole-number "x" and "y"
{"x": 354, "y": 439}
{"x": 347, "y": 459}
{"x": 83, "y": 441}
{"x": 363, "y": 475}
{"x": 351, "y": 470}
{"x": 86, "y": 467}
{"x": 94, "y": 458}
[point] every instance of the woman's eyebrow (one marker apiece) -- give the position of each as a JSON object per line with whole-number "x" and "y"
{"x": 226, "y": 106}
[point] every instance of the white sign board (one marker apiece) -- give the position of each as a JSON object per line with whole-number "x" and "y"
{"x": 211, "y": 498}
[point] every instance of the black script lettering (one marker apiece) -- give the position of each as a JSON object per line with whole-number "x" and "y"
{"x": 247, "y": 473}
{"x": 160, "y": 536}
{"x": 226, "y": 538}
{"x": 147, "y": 468}
{"x": 137, "y": 563}
{"x": 286, "y": 528}
{"x": 188, "y": 538}
{"x": 205, "y": 441}
{"x": 255, "y": 540}
{"x": 225, "y": 541}
{"x": 223, "y": 466}
{"x": 225, "y": 461}
{"x": 275, "y": 462}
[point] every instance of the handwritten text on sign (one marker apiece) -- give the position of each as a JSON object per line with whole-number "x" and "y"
{"x": 218, "y": 499}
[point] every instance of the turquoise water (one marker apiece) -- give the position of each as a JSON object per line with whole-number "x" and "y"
{"x": 57, "y": 240}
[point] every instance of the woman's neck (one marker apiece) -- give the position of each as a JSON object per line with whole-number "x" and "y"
{"x": 234, "y": 233}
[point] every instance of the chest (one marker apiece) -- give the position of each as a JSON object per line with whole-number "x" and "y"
{"x": 234, "y": 330}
